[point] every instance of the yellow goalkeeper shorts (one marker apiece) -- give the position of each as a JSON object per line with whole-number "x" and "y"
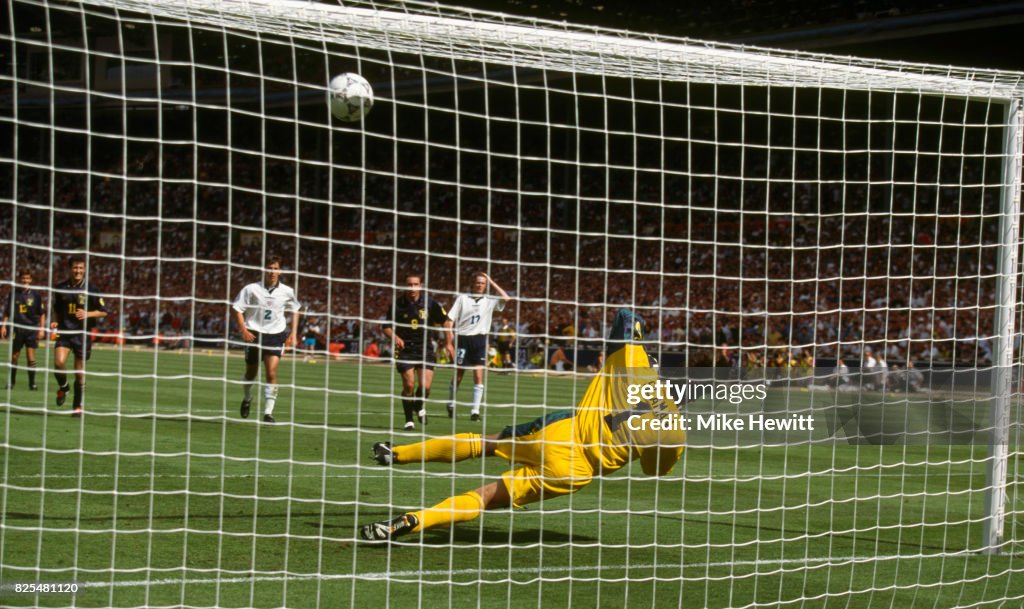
{"x": 550, "y": 463}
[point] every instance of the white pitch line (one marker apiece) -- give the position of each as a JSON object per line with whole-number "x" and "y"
{"x": 384, "y": 575}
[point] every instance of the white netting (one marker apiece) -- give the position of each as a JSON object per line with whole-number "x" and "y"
{"x": 774, "y": 213}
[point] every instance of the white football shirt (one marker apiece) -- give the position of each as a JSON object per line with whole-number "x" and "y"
{"x": 264, "y": 309}
{"x": 471, "y": 313}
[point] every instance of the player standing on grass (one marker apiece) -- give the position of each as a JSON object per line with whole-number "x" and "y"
{"x": 470, "y": 317}
{"x": 557, "y": 454}
{"x": 410, "y": 320}
{"x": 259, "y": 312}
{"x": 26, "y": 310}
{"x": 77, "y": 307}
{"x": 506, "y": 342}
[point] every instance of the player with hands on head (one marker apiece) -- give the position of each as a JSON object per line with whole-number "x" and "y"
{"x": 466, "y": 330}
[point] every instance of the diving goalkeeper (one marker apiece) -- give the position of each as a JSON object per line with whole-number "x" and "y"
{"x": 554, "y": 455}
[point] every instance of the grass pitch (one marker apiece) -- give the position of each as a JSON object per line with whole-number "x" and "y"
{"x": 162, "y": 496}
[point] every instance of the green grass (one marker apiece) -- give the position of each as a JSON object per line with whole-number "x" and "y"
{"x": 162, "y": 496}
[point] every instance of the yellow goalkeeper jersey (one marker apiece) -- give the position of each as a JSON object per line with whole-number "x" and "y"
{"x": 611, "y": 431}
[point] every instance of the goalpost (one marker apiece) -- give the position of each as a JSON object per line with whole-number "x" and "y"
{"x": 843, "y": 231}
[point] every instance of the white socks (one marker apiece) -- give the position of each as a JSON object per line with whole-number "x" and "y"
{"x": 478, "y": 398}
{"x": 269, "y": 398}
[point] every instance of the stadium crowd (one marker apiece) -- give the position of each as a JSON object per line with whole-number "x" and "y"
{"x": 799, "y": 276}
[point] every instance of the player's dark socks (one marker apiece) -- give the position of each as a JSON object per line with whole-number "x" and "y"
{"x": 31, "y": 375}
{"x": 409, "y": 406}
{"x": 14, "y": 375}
{"x": 421, "y": 398}
{"x": 62, "y": 380}
{"x": 420, "y": 405}
{"x": 77, "y": 401}
{"x": 62, "y": 392}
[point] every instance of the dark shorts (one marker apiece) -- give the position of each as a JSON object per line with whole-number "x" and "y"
{"x": 79, "y": 344}
{"x": 471, "y": 351}
{"x": 413, "y": 356}
{"x": 264, "y": 345}
{"x": 25, "y": 338}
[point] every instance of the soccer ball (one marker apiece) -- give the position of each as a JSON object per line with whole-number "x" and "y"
{"x": 351, "y": 96}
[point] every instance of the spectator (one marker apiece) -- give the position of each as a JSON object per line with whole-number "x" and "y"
{"x": 559, "y": 360}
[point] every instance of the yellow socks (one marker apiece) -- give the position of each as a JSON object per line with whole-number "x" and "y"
{"x": 443, "y": 450}
{"x": 454, "y": 509}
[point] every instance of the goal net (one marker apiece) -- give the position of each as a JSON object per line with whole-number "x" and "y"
{"x": 839, "y": 236}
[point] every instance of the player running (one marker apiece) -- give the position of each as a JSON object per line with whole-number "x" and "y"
{"x": 557, "y": 454}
